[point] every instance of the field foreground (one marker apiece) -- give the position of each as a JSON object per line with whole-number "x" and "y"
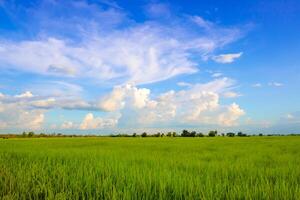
{"x": 150, "y": 168}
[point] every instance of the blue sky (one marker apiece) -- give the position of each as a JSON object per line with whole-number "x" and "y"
{"x": 131, "y": 66}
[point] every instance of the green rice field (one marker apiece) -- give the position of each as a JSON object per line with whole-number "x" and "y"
{"x": 150, "y": 168}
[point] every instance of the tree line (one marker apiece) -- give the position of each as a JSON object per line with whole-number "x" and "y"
{"x": 184, "y": 133}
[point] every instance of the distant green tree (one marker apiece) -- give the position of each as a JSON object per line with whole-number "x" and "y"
{"x": 193, "y": 134}
{"x": 134, "y": 135}
{"x": 212, "y": 133}
{"x": 241, "y": 134}
{"x": 157, "y": 134}
{"x": 31, "y": 134}
{"x": 42, "y": 135}
{"x": 144, "y": 134}
{"x": 174, "y": 134}
{"x": 230, "y": 134}
{"x": 260, "y": 134}
{"x": 169, "y": 134}
{"x": 199, "y": 135}
{"x": 24, "y": 134}
{"x": 185, "y": 133}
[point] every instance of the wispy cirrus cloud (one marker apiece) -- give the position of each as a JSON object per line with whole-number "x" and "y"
{"x": 110, "y": 52}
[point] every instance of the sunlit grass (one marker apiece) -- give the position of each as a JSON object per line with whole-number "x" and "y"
{"x": 150, "y": 168}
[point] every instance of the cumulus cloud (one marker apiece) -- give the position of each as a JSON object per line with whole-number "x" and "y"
{"x": 68, "y": 125}
{"x": 19, "y": 116}
{"x": 113, "y": 101}
{"x": 227, "y": 58}
{"x": 27, "y": 111}
{"x": 116, "y": 99}
{"x": 91, "y": 122}
{"x": 195, "y": 105}
{"x": 128, "y": 104}
{"x": 231, "y": 114}
{"x": 16, "y": 112}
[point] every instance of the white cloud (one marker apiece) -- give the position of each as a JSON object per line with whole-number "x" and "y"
{"x": 231, "y": 115}
{"x": 144, "y": 52}
{"x": 91, "y": 122}
{"x": 231, "y": 94}
{"x": 216, "y": 75}
{"x": 161, "y": 58}
{"x": 26, "y": 94}
{"x": 113, "y": 101}
{"x": 217, "y": 86}
{"x": 257, "y": 85}
{"x": 68, "y": 125}
{"x": 184, "y": 84}
{"x": 275, "y": 84}
{"x": 202, "y": 22}
{"x": 27, "y": 111}
{"x": 196, "y": 105}
{"x": 15, "y": 112}
{"x": 290, "y": 116}
{"x": 227, "y": 58}
{"x": 64, "y": 101}
{"x": 121, "y": 94}
{"x": 44, "y": 103}
{"x": 18, "y": 116}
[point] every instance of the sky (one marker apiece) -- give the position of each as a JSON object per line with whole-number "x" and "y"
{"x": 102, "y": 67}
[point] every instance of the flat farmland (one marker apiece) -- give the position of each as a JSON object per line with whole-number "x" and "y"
{"x": 150, "y": 168}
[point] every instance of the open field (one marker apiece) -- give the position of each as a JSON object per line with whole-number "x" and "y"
{"x": 150, "y": 168}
